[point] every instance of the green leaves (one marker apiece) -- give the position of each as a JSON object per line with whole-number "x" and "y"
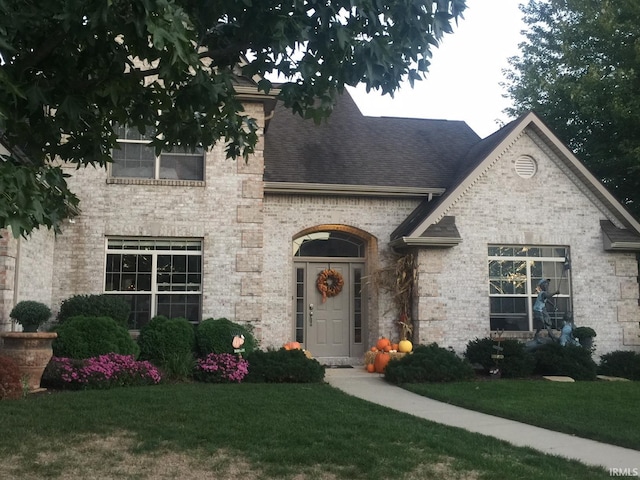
{"x": 32, "y": 196}
{"x": 72, "y": 69}
{"x": 579, "y": 69}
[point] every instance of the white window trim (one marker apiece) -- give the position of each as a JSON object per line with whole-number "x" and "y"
{"x": 156, "y": 169}
{"x": 153, "y": 292}
{"x": 530, "y": 293}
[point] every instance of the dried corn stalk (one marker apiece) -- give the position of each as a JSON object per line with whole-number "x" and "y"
{"x": 398, "y": 279}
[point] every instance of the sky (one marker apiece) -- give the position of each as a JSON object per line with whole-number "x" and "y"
{"x": 465, "y": 73}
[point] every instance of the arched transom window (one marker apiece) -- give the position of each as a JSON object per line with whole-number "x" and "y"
{"x": 329, "y": 244}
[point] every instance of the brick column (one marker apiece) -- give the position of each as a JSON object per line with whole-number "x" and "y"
{"x": 250, "y": 218}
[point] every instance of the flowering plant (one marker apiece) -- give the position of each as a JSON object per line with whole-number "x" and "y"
{"x": 105, "y": 371}
{"x": 221, "y": 368}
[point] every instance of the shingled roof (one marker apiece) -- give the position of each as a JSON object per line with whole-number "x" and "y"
{"x": 352, "y": 149}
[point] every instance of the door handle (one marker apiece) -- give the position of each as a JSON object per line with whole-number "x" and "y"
{"x": 311, "y": 314}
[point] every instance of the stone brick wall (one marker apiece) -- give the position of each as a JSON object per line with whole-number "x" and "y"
{"x": 8, "y": 253}
{"x": 225, "y": 211}
{"x": 548, "y": 209}
{"x": 287, "y": 215}
{"x": 26, "y": 271}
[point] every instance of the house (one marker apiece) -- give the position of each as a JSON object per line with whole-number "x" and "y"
{"x": 324, "y": 207}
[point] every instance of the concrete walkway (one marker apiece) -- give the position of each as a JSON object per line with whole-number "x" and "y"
{"x": 373, "y": 388}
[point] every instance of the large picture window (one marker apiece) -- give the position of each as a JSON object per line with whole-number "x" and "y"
{"x": 136, "y": 159}
{"x": 156, "y": 276}
{"x": 514, "y": 273}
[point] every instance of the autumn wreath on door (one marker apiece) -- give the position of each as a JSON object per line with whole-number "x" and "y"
{"x": 329, "y": 283}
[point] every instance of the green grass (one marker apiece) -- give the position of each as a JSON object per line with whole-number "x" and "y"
{"x": 605, "y": 411}
{"x": 258, "y": 431}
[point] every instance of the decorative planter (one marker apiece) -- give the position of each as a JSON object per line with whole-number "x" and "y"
{"x": 31, "y": 351}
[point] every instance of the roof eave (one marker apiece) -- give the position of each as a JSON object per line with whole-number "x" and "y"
{"x": 300, "y": 188}
{"x": 622, "y": 247}
{"x": 439, "y": 242}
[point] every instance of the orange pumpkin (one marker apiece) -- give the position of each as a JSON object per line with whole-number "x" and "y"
{"x": 383, "y": 342}
{"x": 387, "y": 348}
{"x": 394, "y": 346}
{"x": 374, "y": 349}
{"x": 371, "y": 368}
{"x": 381, "y": 361}
{"x": 292, "y": 346}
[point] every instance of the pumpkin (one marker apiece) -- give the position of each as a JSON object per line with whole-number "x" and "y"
{"x": 292, "y": 346}
{"x": 405, "y": 346}
{"x": 371, "y": 368}
{"x": 380, "y": 363}
{"x": 394, "y": 346}
{"x": 387, "y": 348}
{"x": 383, "y": 342}
{"x": 374, "y": 349}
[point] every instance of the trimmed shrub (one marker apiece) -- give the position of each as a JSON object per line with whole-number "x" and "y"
{"x": 95, "y": 306}
{"x": 30, "y": 314}
{"x": 86, "y": 337}
{"x": 169, "y": 343}
{"x": 221, "y": 368}
{"x": 428, "y": 363}
{"x": 571, "y": 360}
{"x": 215, "y": 336}
{"x": 283, "y": 366}
{"x": 10, "y": 379}
{"x": 517, "y": 362}
{"x": 621, "y": 363}
{"x": 101, "y": 372}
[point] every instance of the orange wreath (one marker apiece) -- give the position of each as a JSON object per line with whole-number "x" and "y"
{"x": 329, "y": 283}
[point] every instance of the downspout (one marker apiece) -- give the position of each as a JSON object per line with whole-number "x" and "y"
{"x": 15, "y": 280}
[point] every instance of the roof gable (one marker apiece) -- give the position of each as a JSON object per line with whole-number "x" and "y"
{"x": 482, "y": 155}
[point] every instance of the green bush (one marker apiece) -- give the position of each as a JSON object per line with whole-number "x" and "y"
{"x": 215, "y": 336}
{"x": 169, "y": 344}
{"x": 283, "y": 366}
{"x": 86, "y": 337}
{"x": 30, "y": 314}
{"x": 621, "y": 363}
{"x": 517, "y": 362}
{"x": 95, "y": 306}
{"x": 428, "y": 363}
{"x": 571, "y": 360}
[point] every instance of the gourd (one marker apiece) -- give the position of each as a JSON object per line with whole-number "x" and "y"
{"x": 382, "y": 342}
{"x": 405, "y": 346}
{"x": 381, "y": 361}
{"x": 292, "y": 346}
{"x": 371, "y": 368}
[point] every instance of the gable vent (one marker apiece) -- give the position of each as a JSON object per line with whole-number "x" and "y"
{"x": 526, "y": 167}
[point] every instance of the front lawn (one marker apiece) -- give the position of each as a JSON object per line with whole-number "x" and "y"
{"x": 605, "y": 411}
{"x": 249, "y": 431}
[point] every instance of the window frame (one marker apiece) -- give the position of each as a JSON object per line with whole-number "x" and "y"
{"x": 554, "y": 267}
{"x": 157, "y": 165}
{"x": 155, "y": 247}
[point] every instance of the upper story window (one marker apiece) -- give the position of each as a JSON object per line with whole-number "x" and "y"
{"x": 136, "y": 159}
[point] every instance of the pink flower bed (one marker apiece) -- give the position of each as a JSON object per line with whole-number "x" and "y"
{"x": 221, "y": 367}
{"x": 106, "y": 371}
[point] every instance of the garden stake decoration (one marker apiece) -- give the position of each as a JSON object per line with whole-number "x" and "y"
{"x": 497, "y": 337}
{"x": 236, "y": 343}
